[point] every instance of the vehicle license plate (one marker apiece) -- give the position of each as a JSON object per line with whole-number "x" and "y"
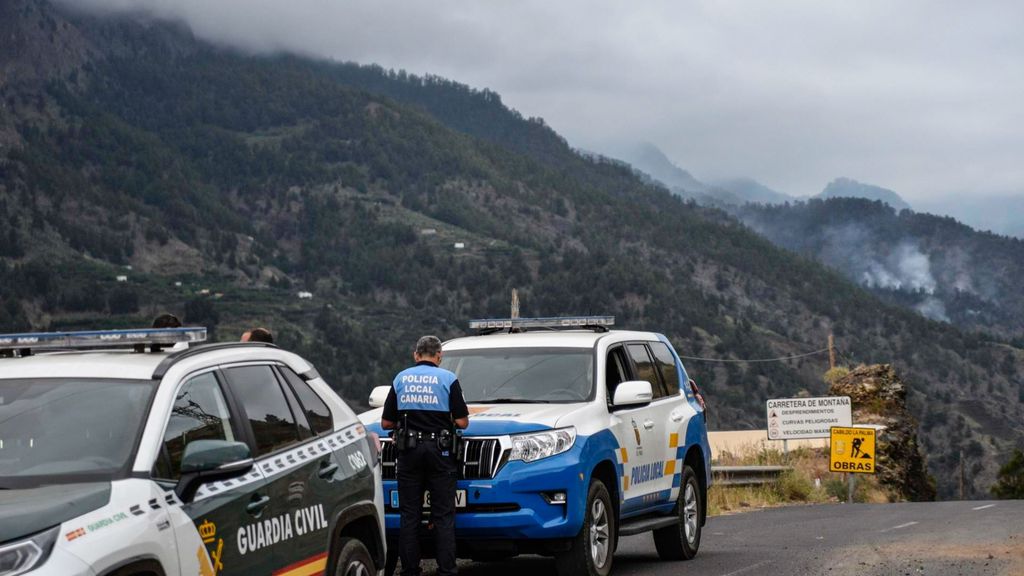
{"x": 460, "y": 499}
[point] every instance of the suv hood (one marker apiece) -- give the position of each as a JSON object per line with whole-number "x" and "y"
{"x": 500, "y": 419}
{"x": 491, "y": 419}
{"x": 25, "y": 512}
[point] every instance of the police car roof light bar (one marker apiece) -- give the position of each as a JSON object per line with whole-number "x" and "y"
{"x": 492, "y": 325}
{"x": 101, "y": 339}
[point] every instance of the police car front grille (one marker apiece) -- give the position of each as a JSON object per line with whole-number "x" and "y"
{"x": 479, "y": 459}
{"x": 388, "y": 456}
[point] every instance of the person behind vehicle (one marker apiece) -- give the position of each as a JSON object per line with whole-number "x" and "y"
{"x": 424, "y": 405}
{"x": 258, "y": 335}
{"x": 166, "y": 321}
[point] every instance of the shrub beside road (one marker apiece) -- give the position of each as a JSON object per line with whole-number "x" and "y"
{"x": 809, "y": 482}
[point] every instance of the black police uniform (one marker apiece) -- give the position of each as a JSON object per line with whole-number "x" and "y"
{"x": 424, "y": 400}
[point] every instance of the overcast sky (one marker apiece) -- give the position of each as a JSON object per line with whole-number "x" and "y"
{"x": 926, "y": 98}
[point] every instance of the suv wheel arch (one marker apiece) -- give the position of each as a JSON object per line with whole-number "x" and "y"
{"x": 695, "y": 459}
{"x": 605, "y": 472}
{"x": 357, "y": 521}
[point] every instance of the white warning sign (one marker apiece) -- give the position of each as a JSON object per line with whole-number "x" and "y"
{"x": 793, "y": 418}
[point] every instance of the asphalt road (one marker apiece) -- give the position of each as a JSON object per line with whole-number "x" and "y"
{"x": 941, "y": 539}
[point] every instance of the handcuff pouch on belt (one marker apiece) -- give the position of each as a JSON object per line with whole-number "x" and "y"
{"x": 404, "y": 438}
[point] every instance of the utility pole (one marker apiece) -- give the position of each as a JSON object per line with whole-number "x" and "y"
{"x": 515, "y": 303}
{"x": 962, "y": 477}
{"x": 831, "y": 351}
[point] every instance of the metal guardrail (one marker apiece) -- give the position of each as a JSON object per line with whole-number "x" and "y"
{"x": 746, "y": 475}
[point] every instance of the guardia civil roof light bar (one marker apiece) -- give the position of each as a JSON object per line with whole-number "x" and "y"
{"x": 492, "y": 325}
{"x": 25, "y": 344}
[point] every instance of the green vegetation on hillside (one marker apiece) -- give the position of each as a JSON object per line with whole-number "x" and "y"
{"x": 248, "y": 179}
{"x": 1010, "y": 484}
{"x": 931, "y": 264}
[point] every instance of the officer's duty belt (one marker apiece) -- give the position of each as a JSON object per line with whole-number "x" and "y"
{"x": 423, "y": 435}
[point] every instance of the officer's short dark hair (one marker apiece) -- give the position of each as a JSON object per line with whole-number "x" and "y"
{"x": 261, "y": 335}
{"x": 166, "y": 321}
{"x": 428, "y": 346}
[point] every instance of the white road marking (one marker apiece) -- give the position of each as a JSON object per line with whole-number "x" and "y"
{"x": 907, "y": 525}
{"x": 748, "y": 568}
{"x": 983, "y": 507}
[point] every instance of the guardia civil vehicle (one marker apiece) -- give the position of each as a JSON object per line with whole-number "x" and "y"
{"x": 147, "y": 453}
{"x": 578, "y": 435}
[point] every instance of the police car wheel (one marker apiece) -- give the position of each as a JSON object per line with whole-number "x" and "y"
{"x": 353, "y": 559}
{"x": 593, "y": 548}
{"x": 681, "y": 541}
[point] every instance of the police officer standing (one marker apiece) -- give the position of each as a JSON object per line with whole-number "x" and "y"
{"x": 424, "y": 407}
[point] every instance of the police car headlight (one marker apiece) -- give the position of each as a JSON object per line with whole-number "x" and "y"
{"x": 538, "y": 445}
{"x": 28, "y": 554}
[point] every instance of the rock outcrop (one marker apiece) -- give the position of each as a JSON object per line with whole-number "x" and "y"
{"x": 879, "y": 397}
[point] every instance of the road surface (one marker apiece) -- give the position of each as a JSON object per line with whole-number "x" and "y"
{"x": 941, "y": 539}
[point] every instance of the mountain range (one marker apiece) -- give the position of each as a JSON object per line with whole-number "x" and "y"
{"x": 144, "y": 171}
{"x": 934, "y": 265}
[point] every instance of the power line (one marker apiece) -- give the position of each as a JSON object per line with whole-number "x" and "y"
{"x": 735, "y": 361}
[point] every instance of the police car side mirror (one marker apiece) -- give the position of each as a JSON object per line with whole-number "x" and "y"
{"x": 632, "y": 393}
{"x": 209, "y": 461}
{"x": 379, "y": 395}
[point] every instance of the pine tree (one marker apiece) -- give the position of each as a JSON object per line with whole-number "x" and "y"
{"x": 1010, "y": 482}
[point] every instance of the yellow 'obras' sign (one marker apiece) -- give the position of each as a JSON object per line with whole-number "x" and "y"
{"x": 852, "y": 450}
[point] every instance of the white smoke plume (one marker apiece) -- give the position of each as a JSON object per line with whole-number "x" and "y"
{"x": 932, "y": 307}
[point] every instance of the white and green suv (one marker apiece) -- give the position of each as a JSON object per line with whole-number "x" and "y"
{"x": 167, "y": 457}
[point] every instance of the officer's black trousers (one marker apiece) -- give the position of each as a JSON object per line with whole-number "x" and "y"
{"x": 425, "y": 468}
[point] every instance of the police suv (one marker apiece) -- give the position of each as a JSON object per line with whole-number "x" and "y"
{"x": 143, "y": 453}
{"x": 577, "y": 435}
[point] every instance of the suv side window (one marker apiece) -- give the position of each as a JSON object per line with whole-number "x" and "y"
{"x": 264, "y": 405}
{"x": 667, "y": 366}
{"x": 200, "y": 412}
{"x": 645, "y": 369}
{"x": 616, "y": 371}
{"x": 318, "y": 414}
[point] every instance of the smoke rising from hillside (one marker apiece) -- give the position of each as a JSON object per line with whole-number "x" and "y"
{"x": 855, "y": 251}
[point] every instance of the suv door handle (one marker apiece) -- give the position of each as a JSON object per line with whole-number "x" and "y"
{"x": 676, "y": 416}
{"x": 257, "y": 504}
{"x": 648, "y": 424}
{"x": 327, "y": 469}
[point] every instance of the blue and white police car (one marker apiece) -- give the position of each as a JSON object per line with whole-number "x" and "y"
{"x": 578, "y": 435}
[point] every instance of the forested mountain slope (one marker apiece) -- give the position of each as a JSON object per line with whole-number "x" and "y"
{"x": 938, "y": 266}
{"x": 248, "y": 179}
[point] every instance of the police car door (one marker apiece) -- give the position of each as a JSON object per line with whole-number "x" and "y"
{"x": 635, "y": 453}
{"x": 206, "y": 534}
{"x": 682, "y": 409}
{"x": 294, "y": 525}
{"x": 665, "y": 414}
{"x": 337, "y": 474}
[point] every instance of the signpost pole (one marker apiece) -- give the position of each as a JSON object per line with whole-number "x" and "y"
{"x": 785, "y": 450}
{"x": 851, "y": 480}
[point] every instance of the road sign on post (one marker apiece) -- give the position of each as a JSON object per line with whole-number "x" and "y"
{"x": 793, "y": 418}
{"x": 852, "y": 450}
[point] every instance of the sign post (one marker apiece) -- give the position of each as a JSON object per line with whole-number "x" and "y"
{"x": 794, "y": 418}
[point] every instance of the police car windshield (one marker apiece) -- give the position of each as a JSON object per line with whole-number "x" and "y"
{"x": 533, "y": 375}
{"x": 65, "y": 430}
